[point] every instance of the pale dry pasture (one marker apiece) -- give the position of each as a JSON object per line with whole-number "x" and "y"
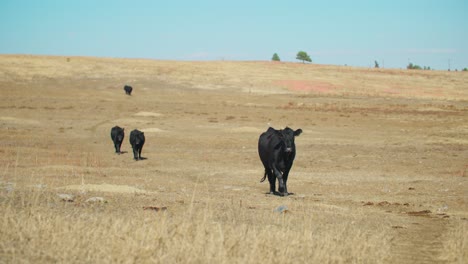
{"x": 41, "y": 228}
{"x": 380, "y": 174}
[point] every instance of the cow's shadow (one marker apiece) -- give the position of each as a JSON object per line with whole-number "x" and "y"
{"x": 141, "y": 158}
{"x": 122, "y": 152}
{"x": 279, "y": 194}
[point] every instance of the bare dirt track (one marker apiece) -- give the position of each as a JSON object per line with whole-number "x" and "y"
{"x": 380, "y": 173}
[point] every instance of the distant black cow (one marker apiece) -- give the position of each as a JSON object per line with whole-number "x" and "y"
{"x": 137, "y": 140}
{"x": 117, "y": 135}
{"x": 128, "y": 89}
{"x": 277, "y": 152}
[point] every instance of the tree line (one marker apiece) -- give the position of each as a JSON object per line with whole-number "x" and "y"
{"x": 303, "y": 56}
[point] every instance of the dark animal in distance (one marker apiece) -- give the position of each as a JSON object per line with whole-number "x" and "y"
{"x": 117, "y": 136}
{"x": 137, "y": 140}
{"x": 128, "y": 89}
{"x": 277, "y": 151}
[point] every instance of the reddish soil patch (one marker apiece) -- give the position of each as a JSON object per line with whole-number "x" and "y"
{"x": 306, "y": 86}
{"x": 392, "y": 91}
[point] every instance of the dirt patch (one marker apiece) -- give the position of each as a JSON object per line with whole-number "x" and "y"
{"x": 307, "y": 86}
{"x": 148, "y": 114}
{"x": 152, "y": 130}
{"x": 246, "y": 130}
{"x": 420, "y": 213}
{"x": 17, "y": 121}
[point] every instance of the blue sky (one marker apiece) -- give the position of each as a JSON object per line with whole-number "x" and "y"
{"x": 428, "y": 33}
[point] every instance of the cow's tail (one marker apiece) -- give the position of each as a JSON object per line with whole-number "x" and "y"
{"x": 264, "y": 177}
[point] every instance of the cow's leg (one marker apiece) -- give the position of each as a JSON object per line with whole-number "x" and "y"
{"x": 271, "y": 180}
{"x": 139, "y": 152}
{"x": 135, "y": 153}
{"x": 279, "y": 176}
{"x": 285, "y": 179}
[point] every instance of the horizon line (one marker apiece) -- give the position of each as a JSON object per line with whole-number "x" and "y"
{"x": 222, "y": 60}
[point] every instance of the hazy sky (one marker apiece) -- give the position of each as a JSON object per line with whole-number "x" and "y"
{"x": 426, "y": 32}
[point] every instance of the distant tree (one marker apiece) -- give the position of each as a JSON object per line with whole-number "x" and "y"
{"x": 412, "y": 66}
{"x": 465, "y": 69}
{"x": 376, "y": 64}
{"x": 303, "y": 56}
{"x": 275, "y": 57}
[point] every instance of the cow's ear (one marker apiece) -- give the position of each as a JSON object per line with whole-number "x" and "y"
{"x": 297, "y": 132}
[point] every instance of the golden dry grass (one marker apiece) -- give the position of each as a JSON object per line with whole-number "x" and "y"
{"x": 41, "y": 229}
{"x": 380, "y": 175}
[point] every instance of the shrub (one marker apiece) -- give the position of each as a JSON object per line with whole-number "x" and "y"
{"x": 275, "y": 57}
{"x": 412, "y": 66}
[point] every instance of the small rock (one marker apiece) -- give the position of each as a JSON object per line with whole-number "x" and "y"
{"x": 96, "y": 200}
{"x": 40, "y": 186}
{"x": 66, "y": 197}
{"x": 443, "y": 208}
{"x": 9, "y": 187}
{"x": 281, "y": 209}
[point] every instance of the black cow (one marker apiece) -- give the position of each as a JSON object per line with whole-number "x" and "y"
{"x": 137, "y": 140}
{"x": 277, "y": 152}
{"x": 128, "y": 89}
{"x": 117, "y": 136}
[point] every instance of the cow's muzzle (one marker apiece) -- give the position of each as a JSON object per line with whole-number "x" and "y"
{"x": 288, "y": 150}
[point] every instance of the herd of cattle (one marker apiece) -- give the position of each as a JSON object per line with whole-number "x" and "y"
{"x": 276, "y": 149}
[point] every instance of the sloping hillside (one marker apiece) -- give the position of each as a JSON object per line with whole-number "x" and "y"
{"x": 380, "y": 174}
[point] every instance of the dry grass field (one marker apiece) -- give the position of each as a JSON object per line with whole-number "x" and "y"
{"x": 380, "y": 176}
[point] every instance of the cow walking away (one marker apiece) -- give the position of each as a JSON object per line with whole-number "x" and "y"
{"x": 128, "y": 89}
{"x": 277, "y": 151}
{"x": 137, "y": 140}
{"x": 117, "y": 136}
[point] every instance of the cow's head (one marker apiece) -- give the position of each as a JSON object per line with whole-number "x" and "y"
{"x": 139, "y": 138}
{"x": 287, "y": 135}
